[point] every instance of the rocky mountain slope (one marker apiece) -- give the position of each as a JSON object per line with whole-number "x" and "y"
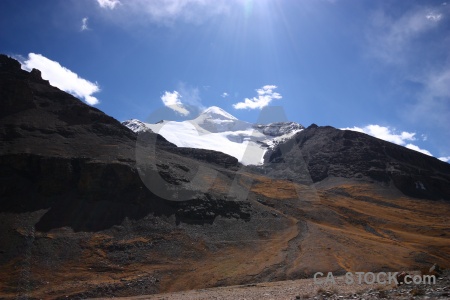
{"x": 68, "y": 171}
{"x": 326, "y": 152}
{"x": 88, "y": 208}
{"x": 56, "y": 150}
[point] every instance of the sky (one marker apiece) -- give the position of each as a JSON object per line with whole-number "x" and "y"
{"x": 379, "y": 67}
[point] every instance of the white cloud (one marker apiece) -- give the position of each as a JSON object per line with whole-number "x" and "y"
{"x": 62, "y": 77}
{"x": 385, "y": 133}
{"x": 167, "y": 12}
{"x": 265, "y": 96}
{"x": 388, "y": 134}
{"x": 172, "y": 100}
{"x": 185, "y": 100}
{"x": 110, "y": 4}
{"x": 224, "y": 95}
{"x": 84, "y": 24}
{"x": 434, "y": 16}
{"x": 445, "y": 158}
{"x": 416, "y": 148}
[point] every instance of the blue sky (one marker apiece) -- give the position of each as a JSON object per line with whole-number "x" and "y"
{"x": 381, "y": 67}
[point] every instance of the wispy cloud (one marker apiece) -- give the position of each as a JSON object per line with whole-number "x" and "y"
{"x": 224, "y": 95}
{"x": 433, "y": 101}
{"x": 391, "y": 38}
{"x": 84, "y": 24}
{"x": 388, "y": 134}
{"x": 172, "y": 101}
{"x": 167, "y": 11}
{"x": 190, "y": 95}
{"x": 265, "y": 96}
{"x": 434, "y": 16}
{"x": 62, "y": 77}
{"x": 109, "y": 4}
{"x": 413, "y": 45}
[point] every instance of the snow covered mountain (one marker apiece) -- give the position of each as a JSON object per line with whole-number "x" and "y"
{"x": 216, "y": 129}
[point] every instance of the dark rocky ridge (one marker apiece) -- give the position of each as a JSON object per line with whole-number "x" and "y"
{"x": 60, "y": 154}
{"x": 73, "y": 206}
{"x": 317, "y": 153}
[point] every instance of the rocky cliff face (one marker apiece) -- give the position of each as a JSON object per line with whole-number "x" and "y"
{"x": 322, "y": 152}
{"x": 69, "y": 179}
{"x": 60, "y": 154}
{"x": 40, "y": 119}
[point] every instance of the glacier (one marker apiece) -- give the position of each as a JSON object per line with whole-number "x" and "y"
{"x": 216, "y": 129}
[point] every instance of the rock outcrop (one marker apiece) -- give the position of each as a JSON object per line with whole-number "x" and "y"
{"x": 60, "y": 154}
{"x": 317, "y": 153}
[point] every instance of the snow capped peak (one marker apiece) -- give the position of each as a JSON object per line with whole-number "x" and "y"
{"x": 217, "y": 113}
{"x": 215, "y": 119}
{"x": 279, "y": 128}
{"x": 215, "y": 129}
{"x": 136, "y": 125}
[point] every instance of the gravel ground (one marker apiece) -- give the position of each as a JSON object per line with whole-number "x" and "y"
{"x": 307, "y": 289}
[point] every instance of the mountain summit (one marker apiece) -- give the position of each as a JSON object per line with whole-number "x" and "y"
{"x": 215, "y": 119}
{"x": 216, "y": 129}
{"x": 216, "y": 112}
